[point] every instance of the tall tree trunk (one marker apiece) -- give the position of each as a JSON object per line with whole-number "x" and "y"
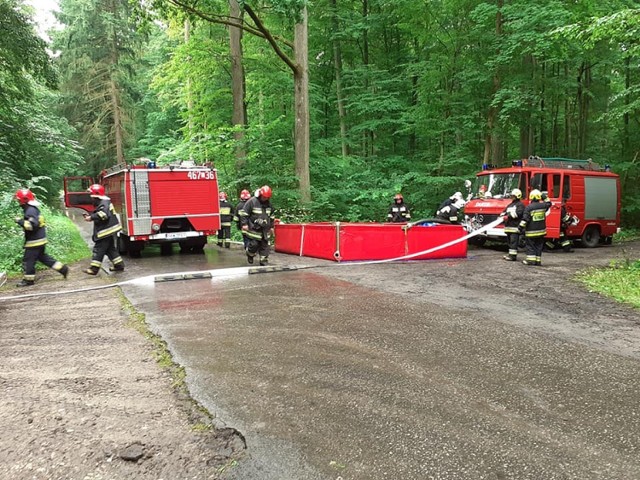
{"x": 337, "y": 62}
{"x": 301, "y": 98}
{"x": 114, "y": 92}
{"x": 367, "y": 139}
{"x": 187, "y": 37}
{"x": 493, "y": 148}
{"x": 584, "y": 83}
{"x": 238, "y": 117}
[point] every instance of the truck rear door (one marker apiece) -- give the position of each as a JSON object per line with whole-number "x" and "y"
{"x": 75, "y": 193}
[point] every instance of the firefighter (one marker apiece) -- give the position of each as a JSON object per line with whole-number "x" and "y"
{"x": 512, "y": 218}
{"x": 256, "y": 218}
{"x": 244, "y": 196}
{"x": 563, "y": 242}
{"x": 534, "y": 227}
{"x": 451, "y": 213}
{"x": 35, "y": 239}
{"x": 452, "y": 199}
{"x": 224, "y": 234}
{"x": 398, "y": 211}
{"x": 105, "y": 227}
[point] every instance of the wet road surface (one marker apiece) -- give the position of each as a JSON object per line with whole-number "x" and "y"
{"x": 328, "y": 379}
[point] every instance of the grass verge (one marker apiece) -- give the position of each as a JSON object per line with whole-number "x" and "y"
{"x": 620, "y": 281}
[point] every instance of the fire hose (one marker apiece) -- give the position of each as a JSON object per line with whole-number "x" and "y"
{"x": 238, "y": 271}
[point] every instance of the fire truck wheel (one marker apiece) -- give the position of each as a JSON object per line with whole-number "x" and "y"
{"x": 135, "y": 249}
{"x": 123, "y": 244}
{"x": 591, "y": 236}
{"x": 478, "y": 241}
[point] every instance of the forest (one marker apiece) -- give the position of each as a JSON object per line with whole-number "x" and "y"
{"x": 336, "y": 104}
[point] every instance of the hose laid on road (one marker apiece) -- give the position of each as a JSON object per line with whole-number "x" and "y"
{"x": 237, "y": 271}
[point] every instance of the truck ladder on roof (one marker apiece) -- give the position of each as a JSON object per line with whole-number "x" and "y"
{"x": 564, "y": 163}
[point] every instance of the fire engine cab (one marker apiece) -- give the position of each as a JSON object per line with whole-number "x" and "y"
{"x": 590, "y": 194}
{"x": 172, "y": 204}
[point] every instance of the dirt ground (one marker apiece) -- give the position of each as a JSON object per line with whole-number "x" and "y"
{"x": 82, "y": 396}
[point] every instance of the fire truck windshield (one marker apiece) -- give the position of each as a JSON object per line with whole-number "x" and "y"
{"x": 496, "y": 185}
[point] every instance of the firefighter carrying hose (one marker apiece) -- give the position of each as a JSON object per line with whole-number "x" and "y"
{"x": 512, "y": 218}
{"x": 35, "y": 239}
{"x": 257, "y": 223}
{"x": 398, "y": 211}
{"x": 534, "y": 227}
{"x": 224, "y": 234}
{"x": 105, "y": 227}
{"x": 244, "y": 196}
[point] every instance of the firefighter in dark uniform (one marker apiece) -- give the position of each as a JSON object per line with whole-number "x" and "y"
{"x": 244, "y": 196}
{"x": 35, "y": 239}
{"x": 224, "y": 234}
{"x": 512, "y": 218}
{"x": 105, "y": 227}
{"x": 257, "y": 222}
{"x": 563, "y": 242}
{"x": 398, "y": 211}
{"x": 451, "y": 213}
{"x": 534, "y": 225}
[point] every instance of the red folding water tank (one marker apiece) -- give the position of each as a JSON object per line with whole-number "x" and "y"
{"x": 370, "y": 241}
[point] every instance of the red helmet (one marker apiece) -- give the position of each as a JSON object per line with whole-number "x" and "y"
{"x": 96, "y": 190}
{"x": 222, "y": 196}
{"x": 398, "y": 197}
{"x": 245, "y": 195}
{"x": 24, "y": 195}
{"x": 265, "y": 191}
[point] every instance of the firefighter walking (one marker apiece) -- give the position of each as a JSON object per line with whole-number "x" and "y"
{"x": 224, "y": 234}
{"x": 105, "y": 227}
{"x": 534, "y": 226}
{"x": 35, "y": 239}
{"x": 257, "y": 223}
{"x": 512, "y": 218}
{"x": 244, "y": 196}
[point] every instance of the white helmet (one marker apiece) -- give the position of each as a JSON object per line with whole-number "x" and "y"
{"x": 456, "y": 196}
{"x": 459, "y": 203}
{"x": 517, "y": 193}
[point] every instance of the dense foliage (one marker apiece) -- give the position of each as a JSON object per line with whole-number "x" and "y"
{"x": 403, "y": 96}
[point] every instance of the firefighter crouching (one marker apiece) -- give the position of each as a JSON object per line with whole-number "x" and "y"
{"x": 105, "y": 227}
{"x": 512, "y": 218}
{"x": 257, "y": 223}
{"x": 224, "y": 234}
{"x": 244, "y": 196}
{"x": 534, "y": 226}
{"x": 451, "y": 213}
{"x": 563, "y": 242}
{"x": 35, "y": 239}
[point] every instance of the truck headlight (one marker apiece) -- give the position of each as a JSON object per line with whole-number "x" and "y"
{"x": 155, "y": 227}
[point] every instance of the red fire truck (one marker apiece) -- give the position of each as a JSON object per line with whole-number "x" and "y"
{"x": 172, "y": 204}
{"x": 589, "y": 192}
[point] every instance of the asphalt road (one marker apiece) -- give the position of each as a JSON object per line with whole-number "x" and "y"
{"x": 407, "y": 371}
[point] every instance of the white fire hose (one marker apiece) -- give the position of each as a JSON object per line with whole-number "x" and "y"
{"x": 238, "y": 271}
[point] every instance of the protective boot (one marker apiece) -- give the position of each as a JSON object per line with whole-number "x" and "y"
{"x": 250, "y": 259}
{"x": 91, "y": 271}
{"x": 264, "y": 261}
{"x": 25, "y": 283}
{"x": 510, "y": 258}
{"x": 117, "y": 268}
{"x": 64, "y": 271}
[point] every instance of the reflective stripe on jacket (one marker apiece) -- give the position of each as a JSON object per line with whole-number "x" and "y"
{"x": 105, "y": 221}
{"x": 34, "y": 226}
{"x": 258, "y": 216}
{"x": 534, "y": 219}
{"x": 513, "y": 212}
{"x": 225, "y": 213}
